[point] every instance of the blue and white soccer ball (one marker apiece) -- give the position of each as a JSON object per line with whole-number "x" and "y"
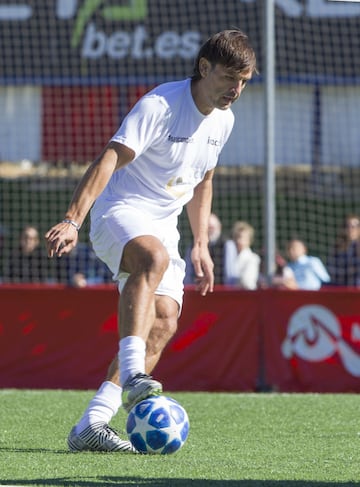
{"x": 158, "y": 424}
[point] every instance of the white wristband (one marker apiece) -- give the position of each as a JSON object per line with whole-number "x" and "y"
{"x": 73, "y": 223}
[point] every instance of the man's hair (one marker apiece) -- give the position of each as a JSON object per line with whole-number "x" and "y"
{"x": 231, "y": 48}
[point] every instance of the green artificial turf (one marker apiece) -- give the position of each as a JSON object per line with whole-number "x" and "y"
{"x": 235, "y": 440}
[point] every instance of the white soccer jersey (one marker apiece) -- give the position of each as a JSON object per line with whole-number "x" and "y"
{"x": 174, "y": 144}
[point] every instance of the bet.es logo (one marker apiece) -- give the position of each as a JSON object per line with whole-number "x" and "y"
{"x": 123, "y": 43}
{"x": 135, "y": 10}
{"x": 93, "y": 43}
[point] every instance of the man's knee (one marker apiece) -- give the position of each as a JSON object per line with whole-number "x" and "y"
{"x": 145, "y": 254}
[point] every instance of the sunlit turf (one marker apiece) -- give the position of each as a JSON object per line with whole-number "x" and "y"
{"x": 235, "y": 439}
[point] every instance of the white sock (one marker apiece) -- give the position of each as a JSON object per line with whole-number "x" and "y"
{"x": 131, "y": 357}
{"x": 102, "y": 407}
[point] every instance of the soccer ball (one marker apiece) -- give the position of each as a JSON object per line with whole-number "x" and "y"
{"x": 158, "y": 424}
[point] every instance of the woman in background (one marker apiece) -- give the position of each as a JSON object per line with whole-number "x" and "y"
{"x": 242, "y": 265}
{"x": 344, "y": 260}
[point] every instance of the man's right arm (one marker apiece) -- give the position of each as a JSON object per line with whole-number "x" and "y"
{"x": 62, "y": 238}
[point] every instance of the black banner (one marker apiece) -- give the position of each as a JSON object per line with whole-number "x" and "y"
{"x": 134, "y": 41}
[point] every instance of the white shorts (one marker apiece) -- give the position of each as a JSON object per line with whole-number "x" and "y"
{"x": 111, "y": 231}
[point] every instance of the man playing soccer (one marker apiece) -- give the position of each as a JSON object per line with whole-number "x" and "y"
{"x": 161, "y": 158}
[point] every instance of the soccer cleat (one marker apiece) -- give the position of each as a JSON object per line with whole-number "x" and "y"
{"x": 138, "y": 388}
{"x": 98, "y": 437}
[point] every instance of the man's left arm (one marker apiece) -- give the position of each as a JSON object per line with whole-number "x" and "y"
{"x": 198, "y": 210}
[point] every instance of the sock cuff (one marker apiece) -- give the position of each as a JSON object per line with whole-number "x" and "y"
{"x": 132, "y": 341}
{"x": 132, "y": 350}
{"x": 110, "y": 394}
{"x": 109, "y": 386}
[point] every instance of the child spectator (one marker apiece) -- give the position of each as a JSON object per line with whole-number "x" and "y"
{"x": 283, "y": 277}
{"x": 310, "y": 273}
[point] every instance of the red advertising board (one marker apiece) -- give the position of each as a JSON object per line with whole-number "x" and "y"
{"x": 287, "y": 341}
{"x": 312, "y": 340}
{"x": 217, "y": 344}
{"x": 56, "y": 337}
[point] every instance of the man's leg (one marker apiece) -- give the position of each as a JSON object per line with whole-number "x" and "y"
{"x": 107, "y": 400}
{"x": 145, "y": 259}
{"x": 93, "y": 432}
{"x": 165, "y": 326}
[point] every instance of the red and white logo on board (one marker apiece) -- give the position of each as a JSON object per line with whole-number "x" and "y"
{"x": 316, "y": 334}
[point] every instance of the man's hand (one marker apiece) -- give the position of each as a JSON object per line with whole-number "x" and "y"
{"x": 203, "y": 268}
{"x": 61, "y": 239}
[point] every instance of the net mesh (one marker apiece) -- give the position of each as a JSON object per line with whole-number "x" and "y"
{"x": 71, "y": 69}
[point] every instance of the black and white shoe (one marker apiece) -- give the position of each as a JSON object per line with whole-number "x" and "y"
{"x": 98, "y": 437}
{"x": 138, "y": 388}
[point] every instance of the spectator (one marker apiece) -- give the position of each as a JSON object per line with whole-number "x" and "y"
{"x": 3, "y": 234}
{"x": 283, "y": 277}
{"x": 216, "y": 248}
{"x": 310, "y": 273}
{"x": 242, "y": 265}
{"x": 344, "y": 261}
{"x": 82, "y": 268}
{"x": 28, "y": 263}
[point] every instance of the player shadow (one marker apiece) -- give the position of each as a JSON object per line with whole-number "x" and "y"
{"x": 168, "y": 482}
{"x": 34, "y": 450}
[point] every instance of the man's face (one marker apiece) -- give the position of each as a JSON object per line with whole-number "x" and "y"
{"x": 222, "y": 86}
{"x": 353, "y": 229}
{"x": 29, "y": 240}
{"x": 214, "y": 228}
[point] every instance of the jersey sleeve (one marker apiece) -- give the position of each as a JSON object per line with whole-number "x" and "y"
{"x": 143, "y": 124}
